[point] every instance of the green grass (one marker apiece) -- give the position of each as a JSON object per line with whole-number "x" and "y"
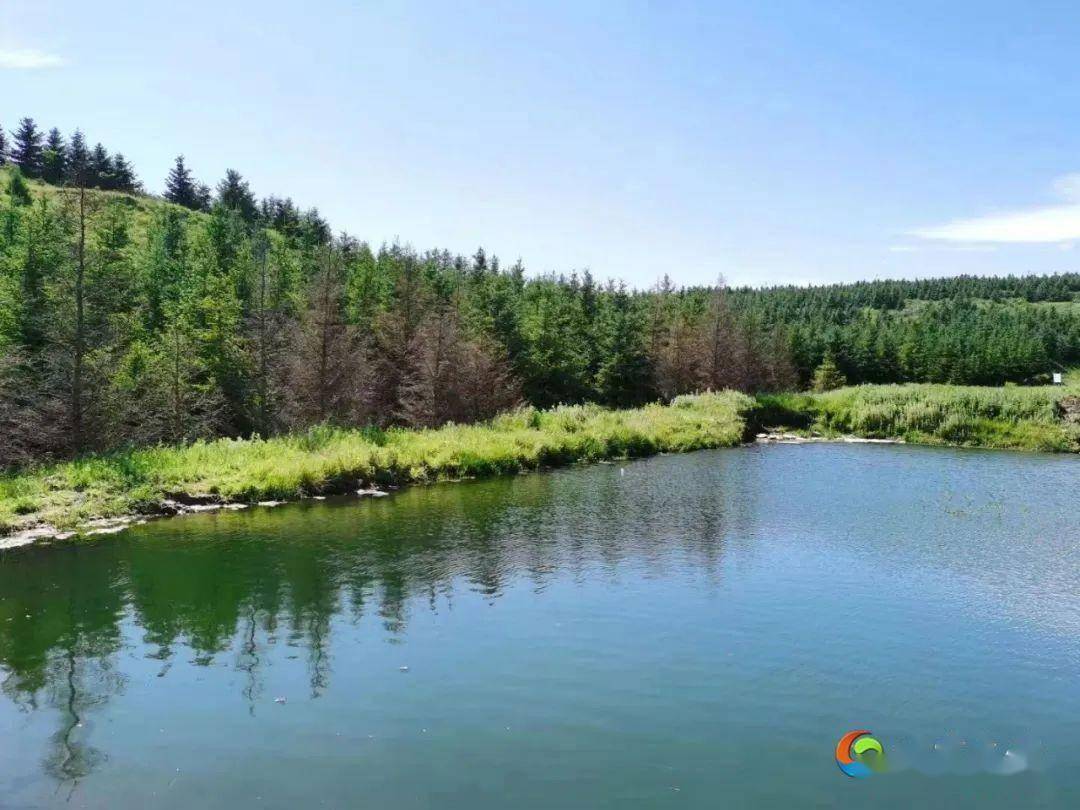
{"x": 329, "y": 460}
{"x": 326, "y": 460}
{"x": 1011, "y": 417}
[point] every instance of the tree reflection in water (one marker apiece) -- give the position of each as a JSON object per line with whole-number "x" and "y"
{"x": 227, "y": 587}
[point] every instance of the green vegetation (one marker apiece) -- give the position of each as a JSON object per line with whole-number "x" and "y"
{"x": 256, "y": 355}
{"x": 333, "y": 460}
{"x": 129, "y": 320}
{"x": 1045, "y": 418}
{"x": 326, "y": 459}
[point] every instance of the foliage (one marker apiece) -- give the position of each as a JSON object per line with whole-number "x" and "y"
{"x": 827, "y": 376}
{"x": 330, "y": 459}
{"x": 127, "y": 319}
{"x": 1008, "y": 417}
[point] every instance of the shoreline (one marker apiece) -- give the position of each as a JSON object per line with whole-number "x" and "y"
{"x": 100, "y": 495}
{"x": 105, "y": 494}
{"x": 202, "y": 504}
{"x": 196, "y": 504}
{"x": 780, "y": 437}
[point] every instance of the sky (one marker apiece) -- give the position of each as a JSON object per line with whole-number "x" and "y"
{"x": 768, "y": 143}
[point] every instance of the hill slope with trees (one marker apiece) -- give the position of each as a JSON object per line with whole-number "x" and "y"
{"x": 130, "y": 319}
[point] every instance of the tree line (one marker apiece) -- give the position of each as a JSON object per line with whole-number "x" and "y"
{"x": 52, "y": 159}
{"x": 125, "y": 319}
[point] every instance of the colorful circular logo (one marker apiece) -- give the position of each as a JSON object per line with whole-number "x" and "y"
{"x": 858, "y": 754}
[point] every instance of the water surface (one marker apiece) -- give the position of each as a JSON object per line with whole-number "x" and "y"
{"x": 685, "y": 631}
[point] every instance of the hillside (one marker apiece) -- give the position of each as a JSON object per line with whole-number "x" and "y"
{"x": 128, "y": 320}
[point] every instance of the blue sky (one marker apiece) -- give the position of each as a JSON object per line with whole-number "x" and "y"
{"x": 769, "y": 142}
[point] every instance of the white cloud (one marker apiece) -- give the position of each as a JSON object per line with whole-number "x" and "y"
{"x": 1044, "y": 225}
{"x": 29, "y": 59}
{"x": 959, "y": 247}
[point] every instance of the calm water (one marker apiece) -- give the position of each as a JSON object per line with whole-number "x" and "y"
{"x": 687, "y": 632}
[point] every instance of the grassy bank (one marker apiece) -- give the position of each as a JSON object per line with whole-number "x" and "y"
{"x": 967, "y": 416}
{"x": 329, "y": 460}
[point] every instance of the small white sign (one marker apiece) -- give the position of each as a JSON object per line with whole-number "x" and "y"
{"x": 1057, "y": 378}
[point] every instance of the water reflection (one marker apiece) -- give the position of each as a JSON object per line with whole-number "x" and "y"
{"x": 791, "y": 537}
{"x": 234, "y": 587}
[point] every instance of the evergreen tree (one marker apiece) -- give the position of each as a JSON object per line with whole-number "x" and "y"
{"x": 78, "y": 160}
{"x": 827, "y": 376}
{"x": 555, "y": 363}
{"x": 203, "y": 197}
{"x": 165, "y": 268}
{"x": 43, "y": 256}
{"x": 123, "y": 175}
{"x": 3, "y": 147}
{"x": 180, "y": 186}
{"x": 268, "y": 329}
{"x": 100, "y": 174}
{"x": 624, "y": 376}
{"x": 314, "y": 230}
{"x": 54, "y": 158}
{"x": 234, "y": 193}
{"x": 326, "y": 379}
{"x": 26, "y": 152}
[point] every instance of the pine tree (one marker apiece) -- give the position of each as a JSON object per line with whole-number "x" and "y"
{"x": 267, "y": 329}
{"x": 3, "y": 147}
{"x": 325, "y": 382}
{"x": 101, "y": 169}
{"x": 26, "y": 152}
{"x": 180, "y": 187}
{"x": 314, "y": 230}
{"x": 827, "y": 376}
{"x": 624, "y": 375}
{"x": 194, "y": 406}
{"x": 44, "y": 255}
{"x": 234, "y": 193}
{"x": 724, "y": 364}
{"x": 123, "y": 173}
{"x": 78, "y": 159}
{"x": 54, "y": 158}
{"x": 203, "y": 197}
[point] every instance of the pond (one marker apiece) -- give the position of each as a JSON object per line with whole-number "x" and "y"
{"x": 683, "y": 631}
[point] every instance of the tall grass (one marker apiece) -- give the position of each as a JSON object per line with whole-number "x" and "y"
{"x": 1009, "y": 417}
{"x": 326, "y": 459}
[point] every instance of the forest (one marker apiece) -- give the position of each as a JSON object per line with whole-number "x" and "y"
{"x": 130, "y": 319}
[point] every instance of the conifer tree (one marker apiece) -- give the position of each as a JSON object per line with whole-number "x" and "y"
{"x": 827, "y": 376}
{"x": 123, "y": 175}
{"x": 180, "y": 186}
{"x": 54, "y": 158}
{"x": 267, "y": 328}
{"x": 100, "y": 174}
{"x": 203, "y": 197}
{"x": 26, "y": 152}
{"x": 78, "y": 159}
{"x": 3, "y": 147}
{"x": 326, "y": 376}
{"x": 43, "y": 256}
{"x": 624, "y": 376}
{"x": 234, "y": 193}
{"x": 314, "y": 230}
